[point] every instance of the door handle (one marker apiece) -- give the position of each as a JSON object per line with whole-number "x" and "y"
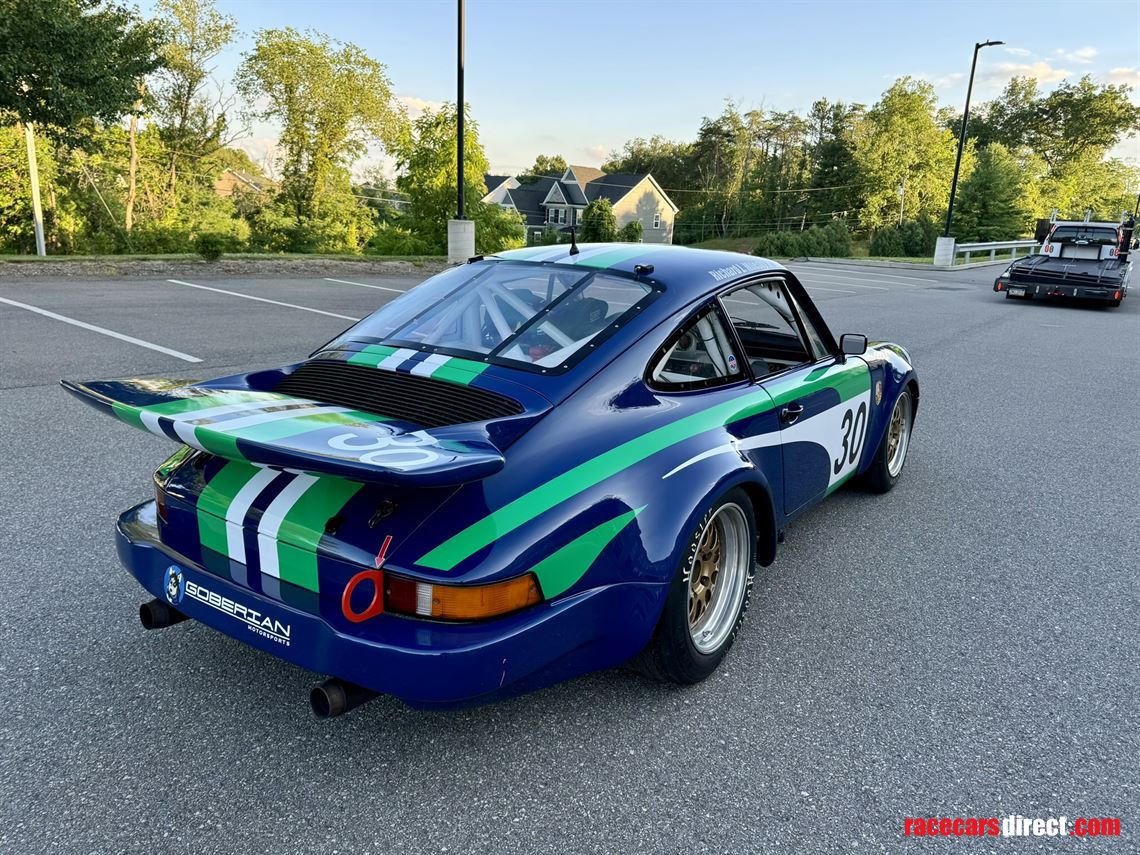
{"x": 791, "y": 413}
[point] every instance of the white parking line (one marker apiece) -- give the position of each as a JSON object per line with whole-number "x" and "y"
{"x": 846, "y": 271}
{"x": 264, "y": 300}
{"x": 366, "y": 285}
{"x": 826, "y": 278}
{"x": 836, "y": 290}
{"x": 102, "y": 330}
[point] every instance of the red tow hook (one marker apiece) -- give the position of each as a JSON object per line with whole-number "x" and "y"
{"x": 376, "y": 577}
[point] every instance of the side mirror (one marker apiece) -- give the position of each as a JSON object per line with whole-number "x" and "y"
{"x": 852, "y": 344}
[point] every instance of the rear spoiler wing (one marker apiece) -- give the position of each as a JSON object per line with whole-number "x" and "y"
{"x": 282, "y": 431}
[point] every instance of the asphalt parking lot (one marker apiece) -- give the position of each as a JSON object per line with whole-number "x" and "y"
{"x": 967, "y": 645}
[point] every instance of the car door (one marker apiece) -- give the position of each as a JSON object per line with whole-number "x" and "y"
{"x": 822, "y": 401}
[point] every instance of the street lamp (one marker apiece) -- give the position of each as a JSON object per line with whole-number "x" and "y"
{"x": 460, "y": 231}
{"x": 962, "y": 135}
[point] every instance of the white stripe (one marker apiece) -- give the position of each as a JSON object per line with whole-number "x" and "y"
{"x": 846, "y": 271}
{"x": 150, "y": 422}
{"x": 397, "y": 359}
{"x": 821, "y": 288}
{"x": 262, "y": 418}
{"x": 262, "y": 300}
{"x": 430, "y": 364}
{"x": 225, "y": 409}
{"x": 366, "y": 285}
{"x": 272, "y": 519}
{"x": 826, "y": 278}
{"x": 759, "y": 441}
{"x": 120, "y": 336}
{"x": 239, "y": 507}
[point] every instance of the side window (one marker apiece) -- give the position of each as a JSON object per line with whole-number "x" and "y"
{"x": 699, "y": 356}
{"x": 765, "y": 320}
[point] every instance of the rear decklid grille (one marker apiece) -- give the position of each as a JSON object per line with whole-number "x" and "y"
{"x": 411, "y": 398}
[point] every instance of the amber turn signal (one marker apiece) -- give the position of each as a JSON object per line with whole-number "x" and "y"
{"x": 460, "y": 602}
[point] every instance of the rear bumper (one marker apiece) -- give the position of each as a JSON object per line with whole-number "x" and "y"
{"x": 424, "y": 663}
{"x": 1056, "y": 290}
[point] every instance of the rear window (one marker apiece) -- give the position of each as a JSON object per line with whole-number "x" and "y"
{"x": 1085, "y": 235}
{"x": 533, "y": 315}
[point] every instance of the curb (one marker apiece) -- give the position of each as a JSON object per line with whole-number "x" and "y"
{"x": 904, "y": 265}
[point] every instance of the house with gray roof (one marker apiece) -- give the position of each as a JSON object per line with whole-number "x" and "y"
{"x": 558, "y": 203}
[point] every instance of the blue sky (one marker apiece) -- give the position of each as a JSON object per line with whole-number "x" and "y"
{"x": 580, "y": 77}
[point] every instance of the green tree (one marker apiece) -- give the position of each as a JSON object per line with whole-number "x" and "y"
{"x": 545, "y": 166}
{"x": 990, "y": 203}
{"x": 63, "y": 62}
{"x": 598, "y": 222}
{"x": 631, "y": 232}
{"x": 193, "y": 125}
{"x": 901, "y": 144}
{"x": 331, "y": 99}
{"x": 428, "y": 177}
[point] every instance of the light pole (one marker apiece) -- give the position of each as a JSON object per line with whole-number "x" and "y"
{"x": 460, "y": 231}
{"x": 962, "y": 135}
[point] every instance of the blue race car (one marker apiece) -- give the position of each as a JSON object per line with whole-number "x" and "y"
{"x": 532, "y": 466}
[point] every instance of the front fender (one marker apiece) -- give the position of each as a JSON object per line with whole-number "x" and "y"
{"x": 891, "y": 372}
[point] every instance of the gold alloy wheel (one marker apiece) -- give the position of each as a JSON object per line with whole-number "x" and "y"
{"x": 718, "y": 579}
{"x": 898, "y": 434}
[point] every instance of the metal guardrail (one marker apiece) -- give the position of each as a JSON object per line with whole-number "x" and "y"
{"x": 993, "y": 248}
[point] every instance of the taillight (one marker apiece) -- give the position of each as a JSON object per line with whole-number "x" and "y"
{"x": 460, "y": 602}
{"x": 998, "y": 286}
{"x": 160, "y": 500}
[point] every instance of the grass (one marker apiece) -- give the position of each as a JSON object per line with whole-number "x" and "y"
{"x": 236, "y": 256}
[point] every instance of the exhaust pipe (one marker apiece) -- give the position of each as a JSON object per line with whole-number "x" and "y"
{"x": 335, "y": 697}
{"x": 158, "y": 615}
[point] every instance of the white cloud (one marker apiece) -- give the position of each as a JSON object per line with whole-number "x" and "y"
{"x": 1131, "y": 76}
{"x": 416, "y": 106}
{"x": 1043, "y": 71}
{"x": 1017, "y": 51}
{"x": 1083, "y": 56}
{"x": 595, "y": 153}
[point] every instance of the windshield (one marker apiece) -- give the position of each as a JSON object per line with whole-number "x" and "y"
{"x": 535, "y": 314}
{"x": 1084, "y": 235}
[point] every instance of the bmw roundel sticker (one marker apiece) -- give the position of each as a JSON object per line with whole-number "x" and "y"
{"x": 174, "y": 582}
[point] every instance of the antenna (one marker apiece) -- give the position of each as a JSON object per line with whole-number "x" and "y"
{"x": 573, "y": 242}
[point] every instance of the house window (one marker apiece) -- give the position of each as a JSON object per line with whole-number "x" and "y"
{"x": 562, "y": 215}
{"x": 656, "y": 221}
{"x": 550, "y": 215}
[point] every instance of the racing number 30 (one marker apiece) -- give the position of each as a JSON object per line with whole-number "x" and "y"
{"x": 854, "y": 431}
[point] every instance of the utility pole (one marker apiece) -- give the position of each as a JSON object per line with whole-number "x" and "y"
{"x": 460, "y": 231}
{"x": 34, "y": 176}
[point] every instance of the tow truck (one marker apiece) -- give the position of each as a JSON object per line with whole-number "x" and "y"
{"x": 1078, "y": 260}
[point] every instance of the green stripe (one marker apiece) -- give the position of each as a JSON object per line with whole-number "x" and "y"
{"x": 215, "y": 500}
{"x": 562, "y": 569}
{"x": 849, "y": 379}
{"x": 304, "y": 525}
{"x": 585, "y": 475}
{"x": 614, "y": 256}
{"x": 372, "y": 355}
{"x": 461, "y": 371}
{"x": 128, "y": 414}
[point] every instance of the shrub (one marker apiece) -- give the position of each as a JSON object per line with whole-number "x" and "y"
{"x": 829, "y": 241}
{"x": 393, "y": 239}
{"x": 631, "y": 232}
{"x": 887, "y": 243}
{"x": 211, "y": 245}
